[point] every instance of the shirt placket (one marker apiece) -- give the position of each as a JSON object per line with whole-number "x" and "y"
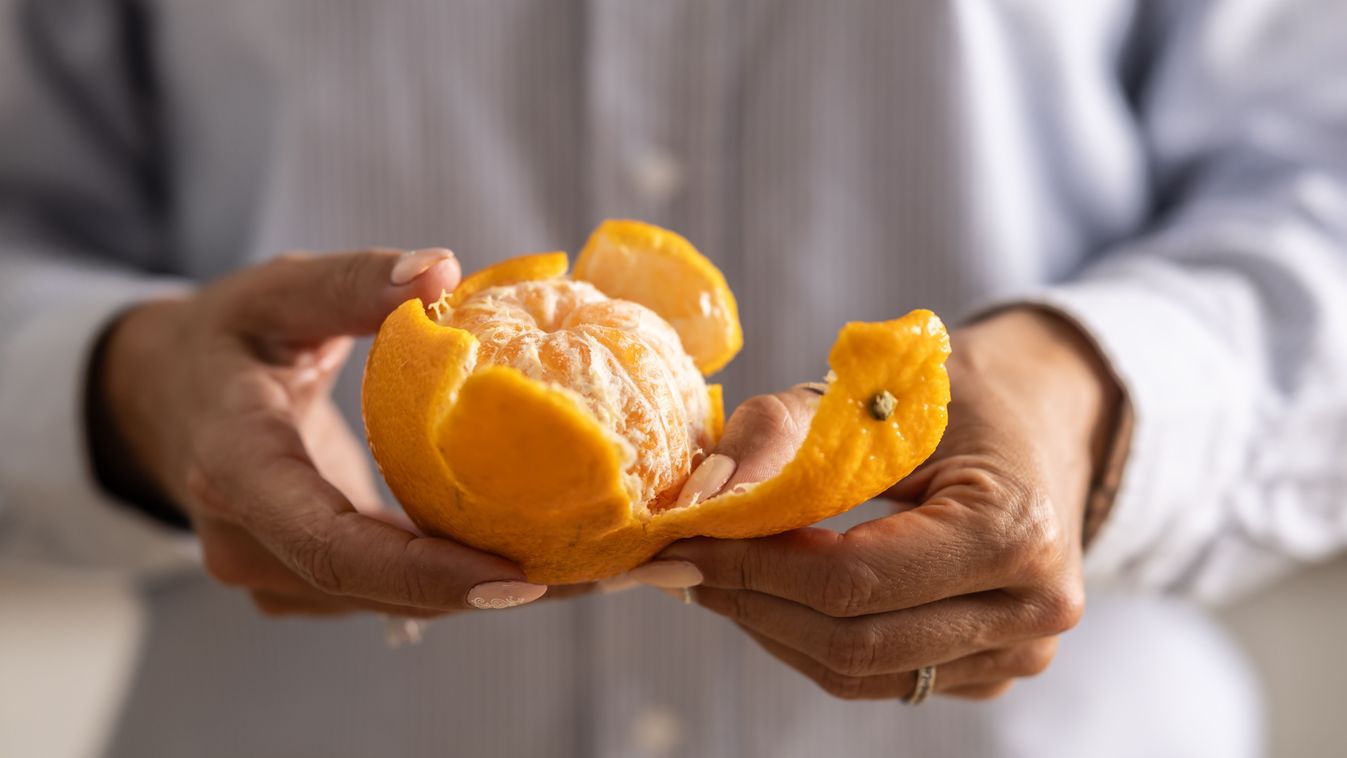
{"x": 659, "y": 78}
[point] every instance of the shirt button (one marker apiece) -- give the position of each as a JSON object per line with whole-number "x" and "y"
{"x": 657, "y": 175}
{"x": 656, "y": 731}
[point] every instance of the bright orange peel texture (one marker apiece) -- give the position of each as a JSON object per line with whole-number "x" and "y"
{"x": 553, "y": 419}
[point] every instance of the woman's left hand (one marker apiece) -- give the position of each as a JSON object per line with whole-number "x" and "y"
{"x": 977, "y": 572}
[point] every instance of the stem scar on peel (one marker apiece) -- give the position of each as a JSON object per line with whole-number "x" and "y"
{"x": 882, "y": 405}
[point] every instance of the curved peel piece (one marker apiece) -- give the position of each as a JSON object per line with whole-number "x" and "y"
{"x": 849, "y": 454}
{"x": 531, "y": 463}
{"x": 661, "y": 270}
{"x": 413, "y": 373}
{"x": 518, "y": 269}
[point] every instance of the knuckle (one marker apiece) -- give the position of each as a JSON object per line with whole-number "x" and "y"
{"x": 761, "y": 417}
{"x": 314, "y": 563}
{"x": 839, "y": 685}
{"x": 741, "y": 605}
{"x": 415, "y": 589}
{"x": 744, "y": 567}
{"x": 1026, "y": 523}
{"x": 349, "y": 275}
{"x": 765, "y": 411}
{"x": 200, "y": 488}
{"x": 257, "y": 395}
{"x": 848, "y": 588}
{"x": 851, "y": 648}
{"x": 1060, "y": 609}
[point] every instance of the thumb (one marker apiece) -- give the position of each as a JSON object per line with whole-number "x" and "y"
{"x": 308, "y": 298}
{"x": 760, "y": 438}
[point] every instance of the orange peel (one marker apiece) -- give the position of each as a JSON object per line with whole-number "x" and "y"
{"x": 525, "y": 468}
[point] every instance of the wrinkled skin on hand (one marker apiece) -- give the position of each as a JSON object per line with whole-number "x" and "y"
{"x": 221, "y": 400}
{"x": 978, "y": 569}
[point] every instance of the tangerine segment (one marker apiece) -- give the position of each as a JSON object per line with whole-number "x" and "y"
{"x": 532, "y": 464}
{"x": 518, "y": 269}
{"x": 412, "y": 376}
{"x": 618, "y": 358}
{"x": 859, "y": 443}
{"x": 661, "y": 270}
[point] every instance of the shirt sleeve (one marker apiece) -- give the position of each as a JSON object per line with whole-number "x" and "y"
{"x": 1227, "y": 322}
{"x": 78, "y": 232}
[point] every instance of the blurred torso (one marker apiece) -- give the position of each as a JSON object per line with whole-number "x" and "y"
{"x": 837, "y": 162}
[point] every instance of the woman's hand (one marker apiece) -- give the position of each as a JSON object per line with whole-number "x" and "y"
{"x": 221, "y": 403}
{"x": 979, "y": 569}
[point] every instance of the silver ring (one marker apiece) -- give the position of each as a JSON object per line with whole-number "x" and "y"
{"x": 925, "y": 686}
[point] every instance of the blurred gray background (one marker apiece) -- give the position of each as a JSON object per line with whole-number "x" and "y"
{"x": 69, "y": 653}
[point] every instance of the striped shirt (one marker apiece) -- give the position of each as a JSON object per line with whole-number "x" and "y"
{"x": 1170, "y": 175}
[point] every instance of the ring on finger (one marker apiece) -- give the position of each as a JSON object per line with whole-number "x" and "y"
{"x": 924, "y": 687}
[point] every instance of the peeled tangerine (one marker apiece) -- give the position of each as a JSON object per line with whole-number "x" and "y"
{"x": 553, "y": 420}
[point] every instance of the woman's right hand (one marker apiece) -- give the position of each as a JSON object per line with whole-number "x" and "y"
{"x": 220, "y": 402}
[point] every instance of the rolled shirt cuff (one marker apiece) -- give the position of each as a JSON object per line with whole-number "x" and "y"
{"x": 1180, "y": 425}
{"x": 57, "y": 511}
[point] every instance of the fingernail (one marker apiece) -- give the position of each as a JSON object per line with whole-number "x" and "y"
{"x": 417, "y": 263}
{"x": 617, "y": 583}
{"x": 675, "y": 574}
{"x": 682, "y": 595}
{"x": 497, "y": 595}
{"x": 706, "y": 480}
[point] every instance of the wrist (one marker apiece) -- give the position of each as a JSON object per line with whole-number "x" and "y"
{"x": 1047, "y": 373}
{"x": 122, "y": 402}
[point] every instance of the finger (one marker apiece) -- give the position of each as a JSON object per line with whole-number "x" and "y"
{"x": 258, "y": 466}
{"x": 342, "y": 459}
{"x": 235, "y": 559}
{"x": 980, "y": 676}
{"x": 761, "y": 437}
{"x": 313, "y": 370}
{"x": 764, "y": 433}
{"x": 899, "y": 561}
{"x": 304, "y": 299}
{"x": 885, "y": 643}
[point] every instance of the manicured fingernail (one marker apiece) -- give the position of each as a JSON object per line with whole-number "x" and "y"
{"x": 496, "y": 595}
{"x": 416, "y": 263}
{"x": 676, "y": 574}
{"x": 682, "y": 595}
{"x": 706, "y": 480}
{"x": 617, "y": 583}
